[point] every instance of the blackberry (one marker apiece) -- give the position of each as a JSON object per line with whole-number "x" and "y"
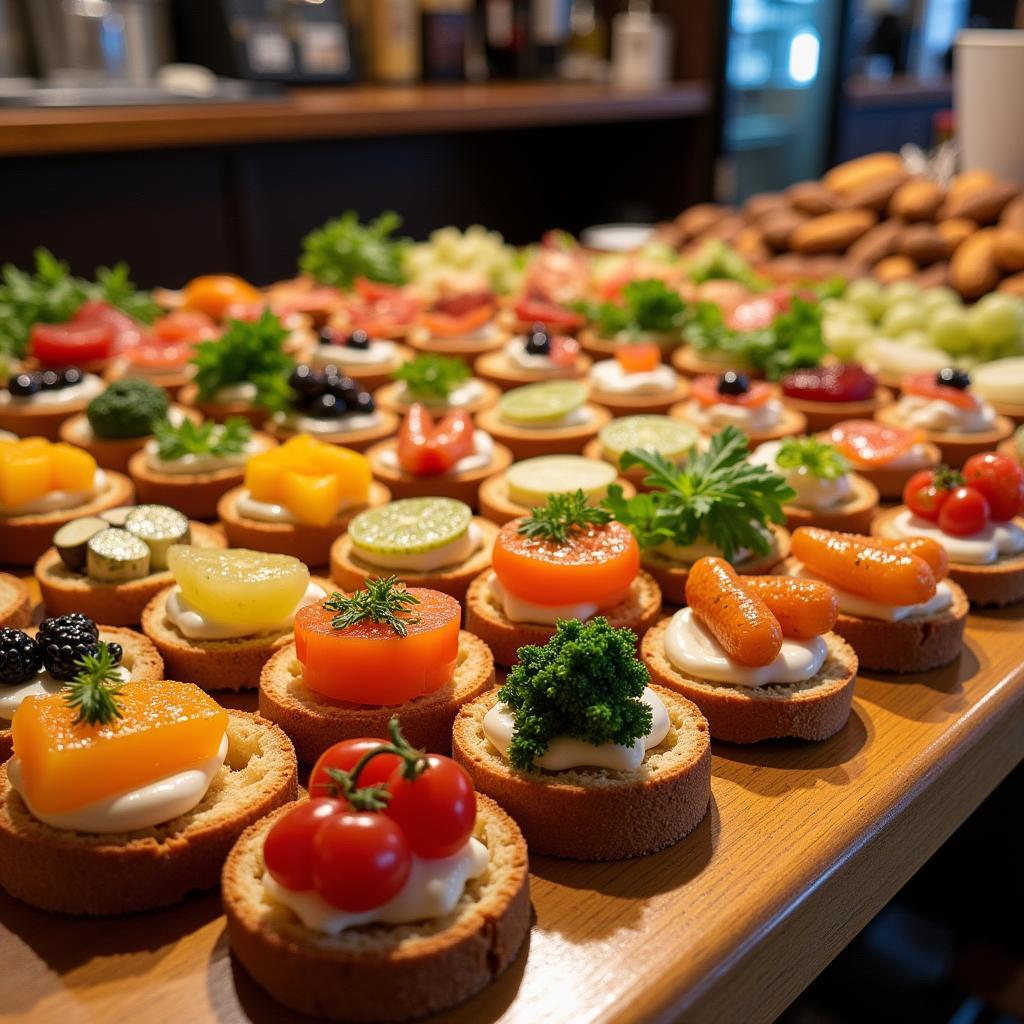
{"x": 20, "y": 657}
{"x": 75, "y": 620}
{"x": 65, "y": 640}
{"x": 953, "y": 377}
{"x": 51, "y": 380}
{"x": 24, "y": 385}
{"x": 361, "y": 403}
{"x": 343, "y": 387}
{"x": 325, "y": 336}
{"x": 326, "y": 407}
{"x": 306, "y": 382}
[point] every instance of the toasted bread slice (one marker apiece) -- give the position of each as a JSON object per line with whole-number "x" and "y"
{"x": 956, "y": 449}
{"x": 596, "y": 813}
{"x": 114, "y": 452}
{"x": 314, "y": 722}
{"x": 641, "y": 404}
{"x": 486, "y": 618}
{"x": 812, "y": 710}
{"x": 15, "y": 602}
{"x": 392, "y": 397}
{"x": 381, "y": 972}
{"x": 851, "y": 516}
{"x": 499, "y": 369}
{"x": 83, "y": 873}
{"x": 222, "y": 411}
{"x": 823, "y": 415}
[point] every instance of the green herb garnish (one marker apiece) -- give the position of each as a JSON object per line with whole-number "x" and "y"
{"x": 561, "y": 516}
{"x": 585, "y": 682}
{"x": 716, "y": 261}
{"x": 819, "y": 458}
{"x": 248, "y": 352}
{"x": 647, "y": 307}
{"x": 382, "y": 600}
{"x": 432, "y": 378}
{"x": 343, "y": 249}
{"x": 127, "y": 409}
{"x": 93, "y": 692}
{"x": 718, "y": 494}
{"x": 206, "y": 438}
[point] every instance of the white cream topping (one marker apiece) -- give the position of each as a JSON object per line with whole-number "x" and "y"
{"x": 943, "y": 417}
{"x": 453, "y": 553}
{"x": 997, "y": 540}
{"x": 194, "y": 625}
{"x": 515, "y": 352}
{"x": 692, "y": 648}
{"x": 58, "y": 501}
{"x": 326, "y": 425}
{"x": 379, "y": 352}
{"x": 42, "y": 684}
{"x": 608, "y": 375}
{"x": 576, "y": 418}
{"x": 480, "y": 458}
{"x": 142, "y": 807}
{"x": 752, "y": 419}
{"x": 433, "y": 889}
{"x": 812, "y": 492}
{"x": 519, "y": 610}
{"x": 194, "y": 465}
{"x": 564, "y": 752}
{"x": 471, "y": 391}
{"x": 88, "y": 387}
{"x": 243, "y": 392}
{"x": 269, "y": 512}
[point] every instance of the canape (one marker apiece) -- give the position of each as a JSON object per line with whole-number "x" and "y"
{"x": 520, "y": 314}
{"x": 884, "y": 456}
{"x": 564, "y": 773}
{"x": 441, "y": 383}
{"x": 714, "y": 503}
{"x": 379, "y": 942}
{"x": 566, "y": 560}
{"x": 298, "y": 498}
{"x": 435, "y": 543}
{"x": 382, "y": 310}
{"x": 952, "y": 416}
{"x": 550, "y": 418}
{"x": 112, "y": 572}
{"x": 636, "y": 381}
{"x": 670, "y": 438}
{"x": 191, "y": 466}
{"x": 646, "y": 313}
{"x": 693, "y": 362}
{"x": 830, "y": 394}
{"x": 15, "y": 601}
{"x": 977, "y": 517}
{"x": 35, "y": 403}
{"x": 370, "y": 361}
{"x": 453, "y": 328}
{"x": 531, "y": 357}
{"x": 358, "y": 659}
{"x": 449, "y": 458}
{"x": 756, "y": 654}
{"x": 45, "y": 485}
{"x": 896, "y": 608}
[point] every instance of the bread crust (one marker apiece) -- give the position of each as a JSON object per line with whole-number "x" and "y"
{"x": 39, "y": 420}
{"x": 314, "y": 722}
{"x": 592, "y": 813}
{"x": 497, "y": 368}
{"x": 689, "y": 362}
{"x": 82, "y": 873}
{"x": 853, "y": 516}
{"x": 823, "y": 415}
{"x": 357, "y": 440}
{"x": 601, "y": 348}
{"x": 486, "y": 618}
{"x": 308, "y": 543}
{"x": 525, "y": 444}
{"x": 388, "y": 397}
{"x": 1009, "y": 447}
{"x": 193, "y": 494}
{"x": 496, "y": 504}
{"x": 172, "y": 383}
{"x": 221, "y": 411}
{"x": 465, "y": 348}
{"x": 15, "y": 602}
{"x": 463, "y": 487}
{"x": 790, "y": 424}
{"x": 813, "y": 710}
{"x": 383, "y": 972}
{"x": 1012, "y": 410}
{"x": 640, "y": 405}
{"x": 890, "y": 482}
{"x": 120, "y": 604}
{"x": 956, "y": 449}
{"x": 24, "y": 538}
{"x": 351, "y": 573}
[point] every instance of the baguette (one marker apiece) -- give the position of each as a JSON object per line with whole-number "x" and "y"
{"x": 596, "y": 813}
{"x": 15, "y": 602}
{"x": 812, "y": 710}
{"x": 314, "y": 722}
{"x": 382, "y": 972}
{"x": 83, "y": 873}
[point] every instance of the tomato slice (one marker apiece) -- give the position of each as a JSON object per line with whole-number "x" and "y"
{"x": 465, "y": 302}
{"x": 452, "y": 325}
{"x": 127, "y": 331}
{"x": 157, "y": 355}
{"x": 924, "y": 385}
{"x": 184, "y": 325}
{"x": 549, "y": 314}
{"x": 596, "y": 565}
{"x": 705, "y": 391}
{"x": 72, "y": 343}
{"x": 426, "y": 450}
{"x": 868, "y": 443}
{"x": 375, "y": 291}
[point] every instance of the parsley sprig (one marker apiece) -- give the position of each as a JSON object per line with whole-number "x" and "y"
{"x": 431, "y": 378}
{"x": 93, "y": 692}
{"x": 381, "y": 600}
{"x": 343, "y": 249}
{"x": 206, "y": 438}
{"x": 718, "y": 495}
{"x": 819, "y": 458}
{"x": 647, "y": 307}
{"x": 562, "y": 516}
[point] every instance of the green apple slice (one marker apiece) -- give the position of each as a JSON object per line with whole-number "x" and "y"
{"x": 410, "y": 526}
{"x": 668, "y": 437}
{"x": 537, "y": 405}
{"x": 532, "y": 480}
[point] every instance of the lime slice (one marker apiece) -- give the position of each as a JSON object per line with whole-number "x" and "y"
{"x": 539, "y": 404}
{"x": 237, "y": 586}
{"x": 660, "y": 434}
{"x": 532, "y": 480}
{"x": 410, "y": 526}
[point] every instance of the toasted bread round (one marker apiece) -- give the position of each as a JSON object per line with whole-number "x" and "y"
{"x": 1011, "y": 448}
{"x": 693, "y": 363}
{"x": 212, "y": 664}
{"x": 596, "y": 813}
{"x": 120, "y": 604}
{"x": 812, "y": 710}
{"x": 496, "y": 504}
{"x": 83, "y": 873}
{"x": 15, "y": 602}
{"x": 639, "y": 405}
{"x": 851, "y": 516}
{"x": 221, "y": 411}
{"x": 172, "y": 381}
{"x": 956, "y": 449}
{"x": 486, "y": 618}
{"x": 113, "y": 453}
{"x": 39, "y": 420}
{"x": 308, "y": 543}
{"x": 193, "y": 494}
{"x": 350, "y": 572}
{"x": 790, "y": 424}
{"x": 822, "y": 415}
{"x": 497, "y": 368}
{"x": 314, "y": 722}
{"x": 392, "y": 398}
{"x": 24, "y": 538}
{"x": 525, "y": 443}
{"x": 368, "y": 375}
{"x": 890, "y": 482}
{"x": 595, "y": 345}
{"x": 467, "y": 347}
{"x": 381, "y": 972}
{"x": 358, "y": 440}
{"x": 633, "y": 477}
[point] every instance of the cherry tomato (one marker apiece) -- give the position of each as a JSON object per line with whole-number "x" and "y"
{"x": 427, "y": 450}
{"x": 360, "y": 860}
{"x": 72, "y": 343}
{"x": 126, "y": 330}
{"x": 923, "y": 497}
{"x": 563, "y": 351}
{"x": 288, "y": 848}
{"x": 964, "y": 512}
{"x": 437, "y": 810}
{"x": 344, "y": 756}
{"x": 1000, "y": 479}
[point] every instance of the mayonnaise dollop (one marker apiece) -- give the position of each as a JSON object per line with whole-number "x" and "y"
{"x": 943, "y": 417}
{"x": 518, "y": 610}
{"x": 269, "y": 512}
{"x": 453, "y": 553}
{"x": 88, "y": 387}
{"x": 480, "y": 458}
{"x": 564, "y": 752}
{"x": 692, "y": 648}
{"x": 812, "y": 492}
{"x": 194, "y": 625}
{"x": 610, "y": 377}
{"x": 245, "y": 391}
{"x": 997, "y": 540}
{"x": 42, "y": 684}
{"x": 58, "y": 501}
{"x": 515, "y": 352}
{"x": 379, "y": 352}
{"x": 326, "y": 424}
{"x": 195, "y": 465}
{"x": 471, "y": 391}
{"x": 752, "y": 419}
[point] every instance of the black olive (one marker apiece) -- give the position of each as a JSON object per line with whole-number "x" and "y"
{"x": 24, "y": 385}
{"x": 538, "y": 342}
{"x": 358, "y": 339}
{"x": 305, "y": 381}
{"x": 71, "y": 375}
{"x": 326, "y": 406}
{"x": 953, "y": 377}
{"x": 51, "y": 380}
{"x": 733, "y": 383}
{"x": 326, "y": 336}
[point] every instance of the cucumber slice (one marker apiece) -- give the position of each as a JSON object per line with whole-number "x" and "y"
{"x": 544, "y": 403}
{"x": 410, "y": 526}
{"x": 660, "y": 434}
{"x": 70, "y": 540}
{"x": 117, "y": 516}
{"x": 116, "y": 556}
{"x": 532, "y": 480}
{"x": 160, "y": 527}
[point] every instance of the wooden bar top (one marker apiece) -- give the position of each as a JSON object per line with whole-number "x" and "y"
{"x": 308, "y": 113}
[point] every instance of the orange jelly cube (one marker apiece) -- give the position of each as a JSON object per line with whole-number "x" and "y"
{"x": 311, "y": 499}
{"x": 25, "y": 473}
{"x": 74, "y": 469}
{"x": 263, "y": 475}
{"x": 166, "y": 728}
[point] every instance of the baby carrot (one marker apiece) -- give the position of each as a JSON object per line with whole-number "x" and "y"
{"x": 924, "y": 547}
{"x": 804, "y": 608}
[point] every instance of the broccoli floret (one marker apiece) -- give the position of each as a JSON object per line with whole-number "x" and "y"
{"x": 128, "y": 408}
{"x": 585, "y": 682}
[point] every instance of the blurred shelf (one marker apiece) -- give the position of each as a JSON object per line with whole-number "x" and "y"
{"x": 899, "y": 91}
{"x": 331, "y": 113}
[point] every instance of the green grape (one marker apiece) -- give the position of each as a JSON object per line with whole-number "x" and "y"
{"x": 940, "y": 297}
{"x": 844, "y": 309}
{"x": 867, "y": 295}
{"x": 900, "y": 291}
{"x": 950, "y": 330}
{"x": 902, "y": 317}
{"x": 845, "y": 337}
{"x": 994, "y": 321}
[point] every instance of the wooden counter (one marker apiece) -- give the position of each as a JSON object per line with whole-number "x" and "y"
{"x": 803, "y": 844}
